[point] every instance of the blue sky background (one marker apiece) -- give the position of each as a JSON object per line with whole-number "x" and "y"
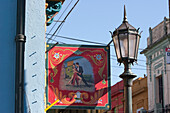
{"x": 93, "y": 19}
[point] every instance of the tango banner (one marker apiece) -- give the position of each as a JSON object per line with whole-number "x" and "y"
{"x": 78, "y": 77}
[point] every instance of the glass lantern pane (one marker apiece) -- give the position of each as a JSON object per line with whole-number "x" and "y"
{"x": 132, "y": 46}
{"x": 137, "y": 46}
{"x": 116, "y": 44}
{"x": 123, "y": 44}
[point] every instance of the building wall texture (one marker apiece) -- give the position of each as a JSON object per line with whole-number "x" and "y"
{"x": 158, "y": 31}
{"x": 157, "y": 68}
{"x": 117, "y": 98}
{"x": 140, "y": 94}
{"x": 7, "y": 55}
{"x": 35, "y": 56}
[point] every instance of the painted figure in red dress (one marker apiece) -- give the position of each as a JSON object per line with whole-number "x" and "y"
{"x": 75, "y": 77}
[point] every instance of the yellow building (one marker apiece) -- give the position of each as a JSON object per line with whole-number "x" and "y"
{"x": 140, "y": 94}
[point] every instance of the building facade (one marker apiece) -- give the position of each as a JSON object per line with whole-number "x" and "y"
{"x": 157, "y": 68}
{"x": 117, "y": 97}
{"x": 34, "y": 56}
{"x": 140, "y": 95}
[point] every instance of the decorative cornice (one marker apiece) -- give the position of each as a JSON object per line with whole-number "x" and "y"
{"x": 53, "y": 7}
{"x": 155, "y": 43}
{"x": 137, "y": 92}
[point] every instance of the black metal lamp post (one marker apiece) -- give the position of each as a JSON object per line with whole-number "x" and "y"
{"x": 126, "y": 42}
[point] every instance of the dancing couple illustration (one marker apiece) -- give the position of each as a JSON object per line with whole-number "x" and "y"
{"x": 77, "y": 76}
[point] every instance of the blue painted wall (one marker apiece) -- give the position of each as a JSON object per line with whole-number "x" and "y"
{"x": 7, "y": 55}
{"x": 35, "y": 56}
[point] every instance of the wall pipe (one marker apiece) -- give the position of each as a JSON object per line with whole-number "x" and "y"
{"x": 20, "y": 51}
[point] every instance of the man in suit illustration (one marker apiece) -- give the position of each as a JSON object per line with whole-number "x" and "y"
{"x": 80, "y": 73}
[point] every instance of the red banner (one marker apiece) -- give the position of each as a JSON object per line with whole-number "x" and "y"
{"x": 78, "y": 76}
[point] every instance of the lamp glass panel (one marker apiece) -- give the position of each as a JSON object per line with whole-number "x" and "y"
{"x": 132, "y": 48}
{"x": 116, "y": 44}
{"x": 123, "y": 44}
{"x": 137, "y": 46}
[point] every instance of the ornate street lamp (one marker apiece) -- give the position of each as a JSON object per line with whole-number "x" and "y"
{"x": 126, "y": 42}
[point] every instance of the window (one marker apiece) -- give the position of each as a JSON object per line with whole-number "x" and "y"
{"x": 160, "y": 84}
{"x": 159, "y": 91}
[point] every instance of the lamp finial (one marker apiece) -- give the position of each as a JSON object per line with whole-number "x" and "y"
{"x": 125, "y": 17}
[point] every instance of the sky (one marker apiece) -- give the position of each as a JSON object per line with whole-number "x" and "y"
{"x": 93, "y": 19}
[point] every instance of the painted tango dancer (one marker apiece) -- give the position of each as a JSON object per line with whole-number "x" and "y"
{"x": 74, "y": 77}
{"x": 80, "y": 73}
